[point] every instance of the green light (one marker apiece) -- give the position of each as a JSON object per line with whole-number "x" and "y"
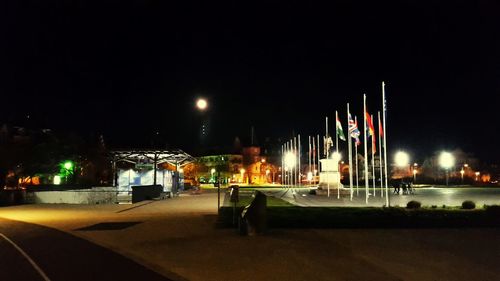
{"x": 68, "y": 165}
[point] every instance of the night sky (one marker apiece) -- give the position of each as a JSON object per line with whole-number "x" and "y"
{"x": 130, "y": 69}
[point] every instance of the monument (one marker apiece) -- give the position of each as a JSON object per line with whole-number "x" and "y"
{"x": 329, "y": 177}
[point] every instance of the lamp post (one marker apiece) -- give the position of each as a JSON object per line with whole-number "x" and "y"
{"x": 402, "y": 161}
{"x": 462, "y": 172}
{"x": 446, "y": 161}
{"x": 68, "y": 166}
{"x": 477, "y": 175}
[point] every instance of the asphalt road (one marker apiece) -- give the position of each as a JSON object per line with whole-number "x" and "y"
{"x": 33, "y": 252}
{"x": 427, "y": 196}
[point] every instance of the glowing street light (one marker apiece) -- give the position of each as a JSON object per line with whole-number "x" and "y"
{"x": 446, "y": 161}
{"x": 201, "y": 104}
{"x": 68, "y": 165}
{"x": 290, "y": 160}
{"x": 477, "y": 175}
{"x": 401, "y": 159}
{"x": 462, "y": 172}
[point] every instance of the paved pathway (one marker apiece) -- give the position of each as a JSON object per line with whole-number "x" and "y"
{"x": 33, "y": 252}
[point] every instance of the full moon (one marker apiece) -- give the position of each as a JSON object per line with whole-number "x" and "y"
{"x": 201, "y": 104}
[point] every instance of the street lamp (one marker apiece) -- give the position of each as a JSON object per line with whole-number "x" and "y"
{"x": 401, "y": 159}
{"x": 415, "y": 171}
{"x": 477, "y": 175}
{"x": 446, "y": 161}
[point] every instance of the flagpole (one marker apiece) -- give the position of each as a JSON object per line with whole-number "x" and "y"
{"x": 373, "y": 162}
{"x": 294, "y": 151}
{"x": 366, "y": 150}
{"x": 283, "y": 179}
{"x": 313, "y": 155}
{"x": 380, "y": 132}
{"x": 309, "y": 155}
{"x": 326, "y": 138}
{"x": 337, "y": 150}
{"x": 349, "y": 145}
{"x": 387, "y": 203}
{"x": 356, "y": 162}
{"x": 318, "y": 155}
{"x": 284, "y": 163}
{"x": 299, "y": 154}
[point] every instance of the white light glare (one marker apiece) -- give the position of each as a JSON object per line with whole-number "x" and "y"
{"x": 402, "y": 159}
{"x": 446, "y": 160}
{"x": 290, "y": 160}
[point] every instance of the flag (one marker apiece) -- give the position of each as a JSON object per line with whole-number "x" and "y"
{"x": 381, "y": 132}
{"x": 340, "y": 132}
{"x": 353, "y": 129}
{"x": 374, "y": 139}
{"x": 374, "y": 145}
{"x": 369, "y": 125}
{"x": 380, "y": 129}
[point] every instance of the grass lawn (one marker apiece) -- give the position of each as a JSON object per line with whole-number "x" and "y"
{"x": 281, "y": 214}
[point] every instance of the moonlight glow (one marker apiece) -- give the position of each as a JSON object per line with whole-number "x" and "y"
{"x": 201, "y": 104}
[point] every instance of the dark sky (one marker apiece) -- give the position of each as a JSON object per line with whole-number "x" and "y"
{"x": 128, "y": 69}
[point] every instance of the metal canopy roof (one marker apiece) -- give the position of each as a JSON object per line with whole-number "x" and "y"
{"x": 174, "y": 157}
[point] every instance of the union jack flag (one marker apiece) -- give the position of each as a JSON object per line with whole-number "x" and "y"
{"x": 353, "y": 129}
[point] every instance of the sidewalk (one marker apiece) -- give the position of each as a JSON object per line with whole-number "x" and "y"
{"x": 177, "y": 238}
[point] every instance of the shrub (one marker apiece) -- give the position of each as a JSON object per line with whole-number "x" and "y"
{"x": 444, "y": 206}
{"x": 493, "y": 209}
{"x": 469, "y": 205}
{"x": 434, "y": 206}
{"x": 413, "y": 204}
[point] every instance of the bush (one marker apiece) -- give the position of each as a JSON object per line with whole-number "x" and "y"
{"x": 434, "y": 206}
{"x": 492, "y": 209}
{"x": 469, "y": 205}
{"x": 413, "y": 204}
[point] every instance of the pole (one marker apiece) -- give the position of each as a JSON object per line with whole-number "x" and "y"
{"x": 384, "y": 127}
{"x": 357, "y": 172}
{"x": 366, "y": 149}
{"x": 314, "y": 156}
{"x": 373, "y": 163}
{"x": 337, "y": 150}
{"x": 318, "y": 156}
{"x": 326, "y": 139}
{"x": 356, "y": 160}
{"x": 218, "y": 197}
{"x": 349, "y": 146}
{"x": 295, "y": 172}
{"x": 380, "y": 155}
{"x": 286, "y": 171}
{"x": 283, "y": 173}
{"x": 298, "y": 146}
{"x": 309, "y": 156}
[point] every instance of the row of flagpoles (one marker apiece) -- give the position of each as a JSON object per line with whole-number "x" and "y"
{"x": 291, "y": 174}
